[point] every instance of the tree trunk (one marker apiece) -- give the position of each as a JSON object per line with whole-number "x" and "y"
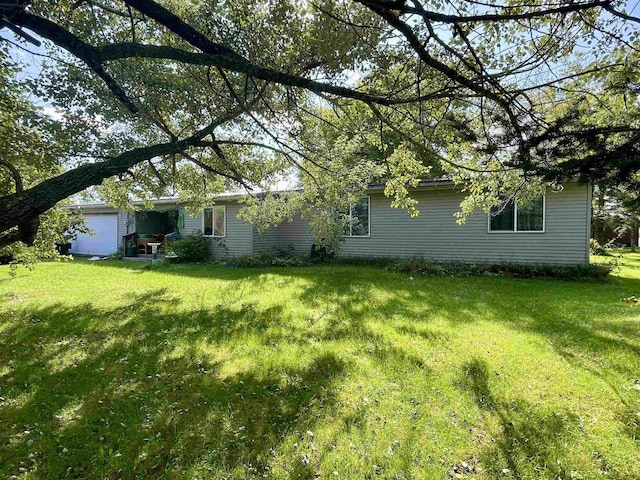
{"x": 23, "y": 208}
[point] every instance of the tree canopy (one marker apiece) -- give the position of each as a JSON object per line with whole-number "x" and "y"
{"x": 192, "y": 98}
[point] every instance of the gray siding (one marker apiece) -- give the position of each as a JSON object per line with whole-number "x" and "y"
{"x": 298, "y": 234}
{"x": 265, "y": 241}
{"x": 435, "y": 235}
{"x": 192, "y": 224}
{"x": 239, "y": 235}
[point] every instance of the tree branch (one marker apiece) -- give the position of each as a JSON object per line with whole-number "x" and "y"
{"x": 443, "y": 68}
{"x": 21, "y": 207}
{"x": 17, "y": 178}
{"x": 208, "y": 168}
{"x": 498, "y": 17}
{"x": 88, "y": 54}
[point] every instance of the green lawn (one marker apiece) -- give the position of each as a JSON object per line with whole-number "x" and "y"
{"x": 108, "y": 370}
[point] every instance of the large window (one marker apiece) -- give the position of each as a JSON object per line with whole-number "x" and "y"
{"x": 357, "y": 224}
{"x": 518, "y": 217}
{"x": 215, "y": 221}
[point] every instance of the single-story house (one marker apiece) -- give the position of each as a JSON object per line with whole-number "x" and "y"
{"x": 554, "y": 230}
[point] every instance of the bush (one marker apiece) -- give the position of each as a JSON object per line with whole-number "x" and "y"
{"x": 269, "y": 259}
{"x": 420, "y": 266}
{"x": 319, "y": 254}
{"x": 380, "y": 262}
{"x": 415, "y": 266}
{"x": 191, "y": 249}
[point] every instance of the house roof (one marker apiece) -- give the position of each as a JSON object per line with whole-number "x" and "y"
{"x": 91, "y": 208}
{"x": 431, "y": 182}
{"x": 163, "y": 201}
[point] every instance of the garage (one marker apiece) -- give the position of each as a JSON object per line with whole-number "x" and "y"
{"x": 105, "y": 240}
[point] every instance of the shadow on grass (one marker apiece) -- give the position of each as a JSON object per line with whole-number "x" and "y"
{"x": 94, "y": 393}
{"x": 584, "y": 322}
{"x": 580, "y": 319}
{"x": 127, "y": 392}
{"x": 531, "y": 441}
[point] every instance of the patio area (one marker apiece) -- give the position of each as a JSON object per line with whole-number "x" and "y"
{"x": 150, "y": 229}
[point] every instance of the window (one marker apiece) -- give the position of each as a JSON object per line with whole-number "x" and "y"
{"x": 357, "y": 219}
{"x": 527, "y": 217}
{"x": 215, "y": 221}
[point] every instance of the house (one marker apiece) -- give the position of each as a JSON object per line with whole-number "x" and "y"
{"x": 554, "y": 230}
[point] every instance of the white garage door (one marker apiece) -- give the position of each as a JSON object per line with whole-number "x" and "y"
{"x": 105, "y": 240}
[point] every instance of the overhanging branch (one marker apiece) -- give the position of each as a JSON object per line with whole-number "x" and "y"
{"x": 88, "y": 54}
{"x": 498, "y": 17}
{"x": 22, "y": 207}
{"x": 15, "y": 174}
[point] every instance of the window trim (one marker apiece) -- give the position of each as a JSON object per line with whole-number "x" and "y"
{"x": 213, "y": 235}
{"x": 515, "y": 220}
{"x": 368, "y": 235}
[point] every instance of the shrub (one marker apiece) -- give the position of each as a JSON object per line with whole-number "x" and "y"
{"x": 420, "y": 266}
{"x": 320, "y": 254}
{"x": 269, "y": 259}
{"x": 380, "y": 262}
{"x": 191, "y": 249}
{"x": 415, "y": 266}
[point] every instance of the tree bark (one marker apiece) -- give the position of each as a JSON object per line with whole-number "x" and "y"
{"x": 23, "y": 207}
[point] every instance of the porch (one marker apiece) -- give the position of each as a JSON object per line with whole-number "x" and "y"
{"x": 149, "y": 229}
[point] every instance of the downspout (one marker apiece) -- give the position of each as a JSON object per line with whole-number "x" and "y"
{"x": 589, "y": 210}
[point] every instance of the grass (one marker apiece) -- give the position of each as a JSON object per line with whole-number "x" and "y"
{"x": 108, "y": 370}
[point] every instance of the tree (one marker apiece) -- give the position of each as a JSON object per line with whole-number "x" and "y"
{"x": 616, "y": 209}
{"x": 32, "y": 145}
{"x": 200, "y": 96}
